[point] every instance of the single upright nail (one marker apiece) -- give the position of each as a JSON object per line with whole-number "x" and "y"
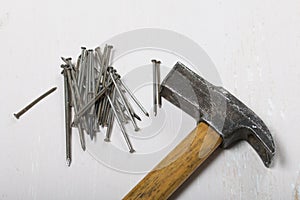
{"x": 158, "y": 83}
{"x": 134, "y": 98}
{"x": 154, "y": 87}
{"x": 68, "y": 119}
{"x": 24, "y": 110}
{"x": 131, "y": 150}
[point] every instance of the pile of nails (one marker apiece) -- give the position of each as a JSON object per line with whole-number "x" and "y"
{"x": 95, "y": 96}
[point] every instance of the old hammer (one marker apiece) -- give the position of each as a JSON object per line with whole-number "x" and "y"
{"x": 222, "y": 120}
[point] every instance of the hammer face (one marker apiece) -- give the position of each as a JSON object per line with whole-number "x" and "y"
{"x": 232, "y": 119}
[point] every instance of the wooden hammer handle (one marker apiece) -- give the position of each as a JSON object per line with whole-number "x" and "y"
{"x": 178, "y": 165}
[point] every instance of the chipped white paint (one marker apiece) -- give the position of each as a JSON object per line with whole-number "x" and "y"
{"x": 254, "y": 44}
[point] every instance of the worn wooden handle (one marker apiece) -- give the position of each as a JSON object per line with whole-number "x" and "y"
{"x": 178, "y": 165}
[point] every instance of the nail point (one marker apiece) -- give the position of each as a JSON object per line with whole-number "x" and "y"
{"x": 137, "y": 117}
{"x": 132, "y": 151}
{"x": 68, "y": 161}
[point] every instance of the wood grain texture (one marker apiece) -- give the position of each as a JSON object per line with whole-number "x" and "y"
{"x": 178, "y": 165}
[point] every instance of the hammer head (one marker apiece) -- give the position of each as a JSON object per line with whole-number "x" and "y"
{"x": 214, "y": 105}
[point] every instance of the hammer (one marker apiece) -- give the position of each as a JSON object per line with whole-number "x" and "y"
{"x": 222, "y": 121}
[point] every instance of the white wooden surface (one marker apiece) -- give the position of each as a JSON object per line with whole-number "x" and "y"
{"x": 255, "y": 46}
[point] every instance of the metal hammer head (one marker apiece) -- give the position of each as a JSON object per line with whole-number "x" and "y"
{"x": 214, "y": 105}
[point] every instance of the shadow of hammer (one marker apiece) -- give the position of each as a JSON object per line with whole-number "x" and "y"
{"x": 222, "y": 121}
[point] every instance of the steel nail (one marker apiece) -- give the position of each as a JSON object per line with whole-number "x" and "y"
{"x": 24, "y": 110}
{"x": 68, "y": 120}
{"x": 82, "y": 69}
{"x": 106, "y": 63}
{"x": 77, "y": 66}
{"x": 134, "y": 98}
{"x": 107, "y": 109}
{"x": 154, "y": 87}
{"x": 131, "y": 150}
{"x": 99, "y": 54}
{"x": 136, "y": 128}
{"x": 117, "y": 103}
{"x": 91, "y": 103}
{"x": 80, "y": 129}
{"x": 158, "y": 82}
{"x": 137, "y": 117}
{"x": 89, "y": 92}
{"x": 102, "y": 114}
{"x": 110, "y": 118}
{"x": 101, "y": 110}
{"x": 133, "y": 114}
{"x": 105, "y": 105}
{"x": 103, "y": 71}
{"x": 66, "y": 60}
{"x": 87, "y": 77}
{"x": 77, "y": 98}
{"x": 102, "y": 80}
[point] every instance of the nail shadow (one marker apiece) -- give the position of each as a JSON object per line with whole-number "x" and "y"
{"x": 195, "y": 175}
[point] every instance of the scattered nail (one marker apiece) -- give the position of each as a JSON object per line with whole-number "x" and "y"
{"x": 24, "y": 110}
